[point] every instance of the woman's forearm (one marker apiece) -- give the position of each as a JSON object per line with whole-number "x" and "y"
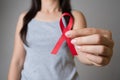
{"x": 14, "y": 72}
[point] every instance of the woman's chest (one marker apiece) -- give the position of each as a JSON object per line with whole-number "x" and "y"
{"x": 43, "y": 33}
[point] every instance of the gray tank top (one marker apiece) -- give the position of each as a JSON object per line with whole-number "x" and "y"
{"x": 39, "y": 63}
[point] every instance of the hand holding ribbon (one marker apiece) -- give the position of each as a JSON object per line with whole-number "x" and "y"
{"x": 63, "y": 37}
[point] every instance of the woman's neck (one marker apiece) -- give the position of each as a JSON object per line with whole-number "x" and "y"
{"x": 49, "y": 6}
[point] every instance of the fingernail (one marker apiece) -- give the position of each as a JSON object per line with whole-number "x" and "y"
{"x": 67, "y": 34}
{"x": 73, "y": 41}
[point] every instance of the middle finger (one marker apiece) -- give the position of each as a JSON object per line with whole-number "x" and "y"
{"x": 95, "y": 39}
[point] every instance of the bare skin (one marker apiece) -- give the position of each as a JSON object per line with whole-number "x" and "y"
{"x": 18, "y": 54}
{"x": 94, "y": 46}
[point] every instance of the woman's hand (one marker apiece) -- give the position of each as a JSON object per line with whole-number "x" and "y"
{"x": 94, "y": 46}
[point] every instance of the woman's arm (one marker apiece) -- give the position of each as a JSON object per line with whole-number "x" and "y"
{"x": 18, "y": 53}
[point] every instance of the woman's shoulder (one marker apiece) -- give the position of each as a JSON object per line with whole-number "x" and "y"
{"x": 20, "y": 21}
{"x": 22, "y": 14}
{"x": 76, "y": 12}
{"x": 79, "y": 19}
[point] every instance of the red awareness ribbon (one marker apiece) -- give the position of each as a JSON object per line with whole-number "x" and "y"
{"x": 63, "y": 37}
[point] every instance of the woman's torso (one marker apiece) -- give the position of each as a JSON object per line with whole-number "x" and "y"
{"x": 39, "y": 63}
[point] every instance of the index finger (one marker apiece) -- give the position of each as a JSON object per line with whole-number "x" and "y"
{"x": 88, "y": 31}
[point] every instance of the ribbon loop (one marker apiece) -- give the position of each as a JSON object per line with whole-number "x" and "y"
{"x": 63, "y": 37}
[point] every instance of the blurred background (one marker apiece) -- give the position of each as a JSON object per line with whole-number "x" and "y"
{"x": 103, "y": 14}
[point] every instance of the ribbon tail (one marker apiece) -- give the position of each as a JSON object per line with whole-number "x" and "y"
{"x": 71, "y": 47}
{"x": 58, "y": 44}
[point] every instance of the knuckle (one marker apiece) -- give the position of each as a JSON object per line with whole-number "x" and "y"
{"x": 110, "y": 54}
{"x": 76, "y": 32}
{"x": 101, "y": 61}
{"x": 98, "y": 38}
{"x": 78, "y": 40}
{"x": 106, "y": 62}
{"x": 109, "y": 33}
{"x": 112, "y": 43}
{"x": 102, "y": 49}
{"x": 92, "y": 30}
{"x": 72, "y": 32}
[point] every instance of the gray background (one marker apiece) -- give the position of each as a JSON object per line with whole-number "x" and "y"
{"x": 99, "y": 13}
